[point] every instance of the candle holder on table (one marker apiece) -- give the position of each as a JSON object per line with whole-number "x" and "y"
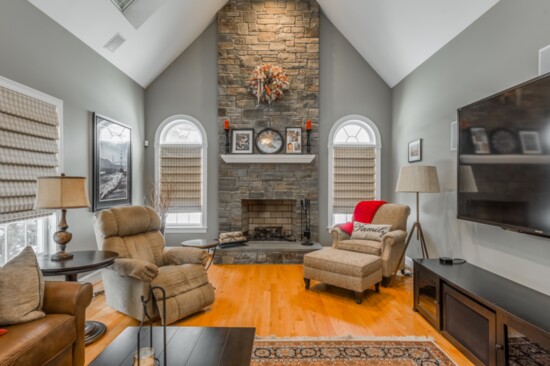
{"x": 146, "y": 356}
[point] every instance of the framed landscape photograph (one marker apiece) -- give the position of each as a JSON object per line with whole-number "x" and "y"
{"x": 415, "y": 151}
{"x": 293, "y": 140}
{"x": 112, "y": 163}
{"x": 530, "y": 142}
{"x": 242, "y": 141}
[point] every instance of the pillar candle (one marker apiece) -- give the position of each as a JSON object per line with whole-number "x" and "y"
{"x": 226, "y": 124}
{"x": 308, "y": 125}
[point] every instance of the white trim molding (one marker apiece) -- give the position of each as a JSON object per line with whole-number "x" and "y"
{"x": 204, "y": 173}
{"x": 376, "y": 142}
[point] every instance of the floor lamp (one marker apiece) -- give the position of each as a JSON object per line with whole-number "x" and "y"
{"x": 417, "y": 179}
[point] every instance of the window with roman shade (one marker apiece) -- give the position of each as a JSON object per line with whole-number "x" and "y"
{"x": 181, "y": 172}
{"x": 354, "y": 166}
{"x": 29, "y": 148}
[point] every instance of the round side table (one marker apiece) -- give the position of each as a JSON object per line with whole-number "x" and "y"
{"x": 84, "y": 261}
{"x": 203, "y": 244}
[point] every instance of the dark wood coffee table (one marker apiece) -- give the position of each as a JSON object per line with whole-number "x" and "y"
{"x": 190, "y": 346}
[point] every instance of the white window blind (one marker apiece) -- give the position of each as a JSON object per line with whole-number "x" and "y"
{"x": 354, "y": 177}
{"x": 28, "y": 149}
{"x": 181, "y": 177}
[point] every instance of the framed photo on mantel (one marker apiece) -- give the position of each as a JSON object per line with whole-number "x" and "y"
{"x": 242, "y": 141}
{"x": 112, "y": 163}
{"x": 293, "y": 140}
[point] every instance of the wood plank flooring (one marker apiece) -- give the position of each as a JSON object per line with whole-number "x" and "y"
{"x": 272, "y": 298}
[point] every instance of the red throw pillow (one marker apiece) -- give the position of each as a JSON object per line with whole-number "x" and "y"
{"x": 3, "y": 331}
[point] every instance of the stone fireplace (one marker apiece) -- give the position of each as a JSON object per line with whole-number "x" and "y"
{"x": 285, "y": 34}
{"x": 270, "y": 220}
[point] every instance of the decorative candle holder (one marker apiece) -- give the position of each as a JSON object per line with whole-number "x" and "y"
{"x": 308, "y": 141}
{"x": 227, "y": 144}
{"x": 146, "y": 356}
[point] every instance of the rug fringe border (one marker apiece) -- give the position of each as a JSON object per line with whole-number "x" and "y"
{"x": 350, "y": 337}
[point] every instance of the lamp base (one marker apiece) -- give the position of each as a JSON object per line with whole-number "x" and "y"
{"x": 61, "y": 256}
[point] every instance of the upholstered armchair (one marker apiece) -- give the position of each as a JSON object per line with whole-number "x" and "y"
{"x": 392, "y": 244}
{"x": 133, "y": 232}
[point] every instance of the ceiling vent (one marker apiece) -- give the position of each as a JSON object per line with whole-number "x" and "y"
{"x": 114, "y": 43}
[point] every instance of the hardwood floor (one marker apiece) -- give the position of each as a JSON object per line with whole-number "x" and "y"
{"x": 273, "y": 299}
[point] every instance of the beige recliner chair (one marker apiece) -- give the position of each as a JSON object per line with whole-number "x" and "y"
{"x": 392, "y": 245}
{"x": 133, "y": 232}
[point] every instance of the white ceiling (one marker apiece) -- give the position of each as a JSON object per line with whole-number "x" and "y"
{"x": 397, "y": 36}
{"x": 149, "y": 49}
{"x": 394, "y": 36}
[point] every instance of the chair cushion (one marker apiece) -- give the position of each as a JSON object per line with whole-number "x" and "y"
{"x": 22, "y": 289}
{"x": 179, "y": 279}
{"x": 343, "y": 262}
{"x": 369, "y": 231}
{"x": 38, "y": 341}
{"x": 372, "y": 247}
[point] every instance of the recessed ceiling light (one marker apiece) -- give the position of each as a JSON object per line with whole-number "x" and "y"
{"x": 114, "y": 43}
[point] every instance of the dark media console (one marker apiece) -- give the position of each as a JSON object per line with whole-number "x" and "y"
{"x": 492, "y": 320}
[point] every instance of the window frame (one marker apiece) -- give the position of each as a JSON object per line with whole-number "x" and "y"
{"x": 173, "y": 120}
{"x": 367, "y": 124}
{"x": 51, "y": 220}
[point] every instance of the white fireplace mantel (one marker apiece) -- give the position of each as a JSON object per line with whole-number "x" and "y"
{"x": 268, "y": 158}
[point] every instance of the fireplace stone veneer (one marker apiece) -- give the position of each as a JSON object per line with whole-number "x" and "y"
{"x": 283, "y": 33}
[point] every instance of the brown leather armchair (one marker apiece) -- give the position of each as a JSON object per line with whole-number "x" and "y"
{"x": 58, "y": 338}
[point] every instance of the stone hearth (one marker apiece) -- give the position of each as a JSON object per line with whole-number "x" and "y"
{"x": 265, "y": 252}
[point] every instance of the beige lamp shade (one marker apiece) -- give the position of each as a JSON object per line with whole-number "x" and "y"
{"x": 418, "y": 178}
{"x": 61, "y": 192}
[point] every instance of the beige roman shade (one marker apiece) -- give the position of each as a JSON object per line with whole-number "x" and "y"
{"x": 181, "y": 177}
{"x": 29, "y": 148}
{"x": 354, "y": 176}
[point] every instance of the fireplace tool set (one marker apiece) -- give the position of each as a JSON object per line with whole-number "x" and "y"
{"x": 305, "y": 215}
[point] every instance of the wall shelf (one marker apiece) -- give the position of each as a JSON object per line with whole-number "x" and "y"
{"x": 268, "y": 158}
{"x": 505, "y": 159}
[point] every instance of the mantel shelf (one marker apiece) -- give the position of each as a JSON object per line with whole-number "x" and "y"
{"x": 505, "y": 159}
{"x": 268, "y": 158}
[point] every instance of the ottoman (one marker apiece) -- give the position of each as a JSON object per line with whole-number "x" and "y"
{"x": 350, "y": 270}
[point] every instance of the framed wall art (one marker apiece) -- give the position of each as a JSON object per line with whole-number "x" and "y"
{"x": 112, "y": 163}
{"x": 242, "y": 141}
{"x": 293, "y": 140}
{"x": 415, "y": 151}
{"x": 480, "y": 140}
{"x": 530, "y": 142}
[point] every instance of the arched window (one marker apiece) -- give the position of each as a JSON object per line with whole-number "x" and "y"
{"x": 180, "y": 157}
{"x": 354, "y": 166}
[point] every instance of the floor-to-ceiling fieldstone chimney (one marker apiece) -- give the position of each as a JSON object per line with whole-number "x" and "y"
{"x": 286, "y": 34}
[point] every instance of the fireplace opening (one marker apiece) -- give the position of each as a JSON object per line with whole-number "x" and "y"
{"x": 269, "y": 220}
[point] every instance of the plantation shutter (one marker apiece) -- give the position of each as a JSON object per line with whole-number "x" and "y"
{"x": 181, "y": 177}
{"x": 354, "y": 177}
{"x": 28, "y": 149}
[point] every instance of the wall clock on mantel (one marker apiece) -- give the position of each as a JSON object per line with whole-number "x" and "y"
{"x": 269, "y": 141}
{"x": 504, "y": 141}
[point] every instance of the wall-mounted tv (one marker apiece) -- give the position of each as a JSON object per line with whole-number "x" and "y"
{"x": 504, "y": 159}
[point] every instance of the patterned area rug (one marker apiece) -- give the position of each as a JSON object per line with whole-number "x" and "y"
{"x": 523, "y": 352}
{"x": 398, "y": 351}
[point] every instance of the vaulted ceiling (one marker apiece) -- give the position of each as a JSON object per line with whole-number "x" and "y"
{"x": 393, "y": 36}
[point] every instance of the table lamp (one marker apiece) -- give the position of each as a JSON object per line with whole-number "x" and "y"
{"x": 61, "y": 192}
{"x": 417, "y": 179}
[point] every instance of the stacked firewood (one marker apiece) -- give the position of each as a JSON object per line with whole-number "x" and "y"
{"x": 232, "y": 237}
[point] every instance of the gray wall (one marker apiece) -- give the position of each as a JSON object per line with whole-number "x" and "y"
{"x": 37, "y": 52}
{"x": 496, "y": 52}
{"x": 348, "y": 86}
{"x": 188, "y": 86}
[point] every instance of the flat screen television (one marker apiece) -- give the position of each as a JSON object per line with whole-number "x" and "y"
{"x": 504, "y": 159}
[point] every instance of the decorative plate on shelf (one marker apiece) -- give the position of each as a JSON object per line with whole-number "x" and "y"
{"x": 504, "y": 141}
{"x": 269, "y": 141}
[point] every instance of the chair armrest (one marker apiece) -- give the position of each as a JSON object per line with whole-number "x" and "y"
{"x": 338, "y": 234}
{"x": 66, "y": 297}
{"x": 394, "y": 236}
{"x": 177, "y": 256}
{"x": 135, "y": 268}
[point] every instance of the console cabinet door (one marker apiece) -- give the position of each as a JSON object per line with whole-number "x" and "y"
{"x": 470, "y": 326}
{"x": 426, "y": 295}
